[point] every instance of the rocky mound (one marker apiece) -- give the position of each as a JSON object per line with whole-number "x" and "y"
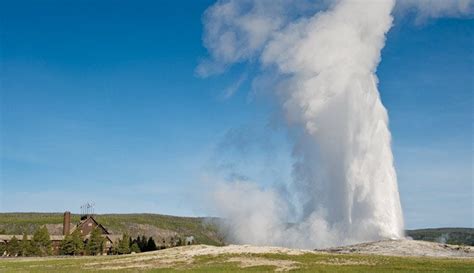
{"x": 406, "y": 247}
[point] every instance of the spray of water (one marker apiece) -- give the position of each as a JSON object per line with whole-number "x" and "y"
{"x": 323, "y": 65}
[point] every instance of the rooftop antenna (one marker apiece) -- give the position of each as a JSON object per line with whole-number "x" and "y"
{"x": 87, "y": 209}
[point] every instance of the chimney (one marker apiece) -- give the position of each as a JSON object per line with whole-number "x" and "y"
{"x": 66, "y": 223}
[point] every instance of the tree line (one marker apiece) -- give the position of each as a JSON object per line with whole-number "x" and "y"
{"x": 128, "y": 245}
{"x": 74, "y": 244}
{"x": 39, "y": 245}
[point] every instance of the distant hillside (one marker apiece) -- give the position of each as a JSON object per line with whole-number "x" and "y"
{"x": 456, "y": 236}
{"x": 203, "y": 229}
{"x": 155, "y": 225}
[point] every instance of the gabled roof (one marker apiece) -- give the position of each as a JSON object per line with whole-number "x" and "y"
{"x": 82, "y": 222}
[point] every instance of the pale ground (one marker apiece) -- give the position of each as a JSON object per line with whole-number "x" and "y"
{"x": 407, "y": 248}
{"x": 185, "y": 255}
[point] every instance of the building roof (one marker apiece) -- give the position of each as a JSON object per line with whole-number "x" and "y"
{"x": 8, "y": 237}
{"x": 105, "y": 233}
{"x": 82, "y": 222}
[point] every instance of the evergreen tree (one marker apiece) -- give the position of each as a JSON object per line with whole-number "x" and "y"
{"x": 135, "y": 248}
{"x": 25, "y": 246}
{"x": 142, "y": 244}
{"x": 123, "y": 246}
{"x": 41, "y": 242}
{"x": 72, "y": 244}
{"x": 13, "y": 247}
{"x": 150, "y": 246}
{"x": 95, "y": 244}
{"x": 136, "y": 241}
{"x": 78, "y": 242}
{"x": 67, "y": 247}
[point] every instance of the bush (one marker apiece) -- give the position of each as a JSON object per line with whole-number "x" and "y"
{"x": 135, "y": 248}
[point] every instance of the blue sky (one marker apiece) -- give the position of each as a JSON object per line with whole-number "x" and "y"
{"x": 100, "y": 101}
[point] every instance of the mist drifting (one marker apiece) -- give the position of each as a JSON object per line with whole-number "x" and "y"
{"x": 322, "y": 59}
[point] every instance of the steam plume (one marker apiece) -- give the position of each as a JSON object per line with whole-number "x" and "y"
{"x": 345, "y": 186}
{"x": 426, "y": 9}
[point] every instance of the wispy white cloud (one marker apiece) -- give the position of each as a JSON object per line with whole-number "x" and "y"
{"x": 426, "y": 9}
{"x": 234, "y": 87}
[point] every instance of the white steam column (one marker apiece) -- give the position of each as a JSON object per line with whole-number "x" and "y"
{"x": 344, "y": 173}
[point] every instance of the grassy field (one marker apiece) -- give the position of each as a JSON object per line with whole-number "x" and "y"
{"x": 181, "y": 260}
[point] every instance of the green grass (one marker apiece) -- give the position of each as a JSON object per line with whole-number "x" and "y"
{"x": 305, "y": 263}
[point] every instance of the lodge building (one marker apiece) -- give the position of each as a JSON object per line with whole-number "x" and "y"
{"x": 85, "y": 227}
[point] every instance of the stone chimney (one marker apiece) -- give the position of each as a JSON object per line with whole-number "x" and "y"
{"x": 67, "y": 223}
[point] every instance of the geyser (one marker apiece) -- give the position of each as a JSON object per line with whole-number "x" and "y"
{"x": 322, "y": 68}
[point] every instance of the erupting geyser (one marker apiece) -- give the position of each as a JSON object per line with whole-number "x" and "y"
{"x": 322, "y": 65}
